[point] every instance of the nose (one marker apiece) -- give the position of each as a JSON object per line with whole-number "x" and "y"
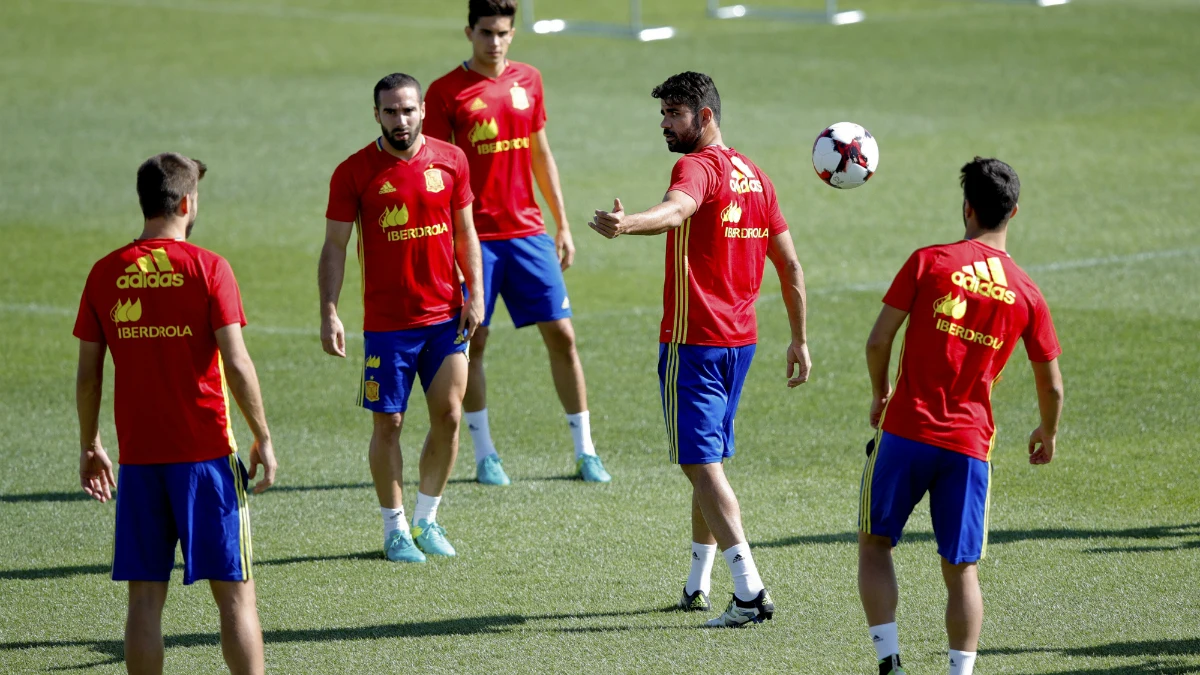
{"x": 664, "y": 124}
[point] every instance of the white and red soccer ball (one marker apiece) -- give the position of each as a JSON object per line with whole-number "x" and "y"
{"x": 845, "y": 155}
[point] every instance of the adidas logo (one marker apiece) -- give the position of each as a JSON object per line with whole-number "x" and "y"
{"x": 876, "y": 638}
{"x": 985, "y": 278}
{"x": 386, "y": 188}
{"x": 695, "y": 556}
{"x": 566, "y": 303}
{"x": 477, "y": 105}
{"x": 953, "y": 663}
{"x": 153, "y": 270}
{"x": 472, "y": 427}
{"x": 737, "y": 558}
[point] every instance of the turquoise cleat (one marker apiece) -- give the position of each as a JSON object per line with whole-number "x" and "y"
{"x": 490, "y": 472}
{"x": 399, "y": 547}
{"x": 431, "y": 538}
{"x": 591, "y": 469}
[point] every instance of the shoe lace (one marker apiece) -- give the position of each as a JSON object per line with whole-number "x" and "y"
{"x": 436, "y": 529}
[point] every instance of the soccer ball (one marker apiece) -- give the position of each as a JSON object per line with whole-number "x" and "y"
{"x": 845, "y": 155}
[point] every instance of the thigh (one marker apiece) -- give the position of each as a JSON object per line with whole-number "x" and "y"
{"x": 213, "y": 519}
{"x": 441, "y": 341}
{"x": 533, "y": 286}
{"x": 144, "y": 544}
{"x": 958, "y": 505}
{"x": 694, "y": 402}
{"x": 895, "y": 479}
{"x": 737, "y": 366}
{"x": 389, "y": 369}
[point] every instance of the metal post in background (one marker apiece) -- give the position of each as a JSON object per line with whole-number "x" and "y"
{"x": 831, "y": 15}
{"x": 634, "y": 29}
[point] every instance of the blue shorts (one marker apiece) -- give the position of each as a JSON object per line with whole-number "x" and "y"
{"x": 526, "y": 273}
{"x": 201, "y": 505}
{"x": 899, "y": 473}
{"x": 700, "y": 388}
{"x": 395, "y": 358}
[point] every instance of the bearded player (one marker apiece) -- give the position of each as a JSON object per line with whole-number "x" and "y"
{"x": 722, "y": 222}
{"x": 410, "y": 198}
{"x": 966, "y": 305}
{"x": 494, "y": 109}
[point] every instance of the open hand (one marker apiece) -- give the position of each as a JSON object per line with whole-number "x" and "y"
{"x": 609, "y": 223}
{"x": 96, "y": 473}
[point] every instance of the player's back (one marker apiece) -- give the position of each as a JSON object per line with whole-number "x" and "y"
{"x": 157, "y": 304}
{"x": 968, "y": 304}
{"x": 715, "y": 260}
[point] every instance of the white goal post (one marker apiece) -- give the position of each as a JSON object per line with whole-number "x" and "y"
{"x": 831, "y": 15}
{"x": 634, "y": 29}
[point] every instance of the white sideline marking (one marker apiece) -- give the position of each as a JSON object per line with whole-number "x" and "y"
{"x": 1083, "y": 263}
{"x": 276, "y": 12}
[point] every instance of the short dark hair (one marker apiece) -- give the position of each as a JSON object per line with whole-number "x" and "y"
{"x": 695, "y": 90}
{"x": 992, "y": 188}
{"x": 480, "y": 9}
{"x": 396, "y": 81}
{"x": 163, "y": 181}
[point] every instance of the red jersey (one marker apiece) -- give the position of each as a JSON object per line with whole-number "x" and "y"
{"x": 715, "y": 259}
{"x": 967, "y": 303}
{"x": 404, "y": 212}
{"x": 493, "y": 121}
{"x": 156, "y": 304}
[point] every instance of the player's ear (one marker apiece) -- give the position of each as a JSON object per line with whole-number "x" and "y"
{"x": 422, "y": 111}
{"x": 185, "y": 206}
{"x": 376, "y": 111}
{"x": 467, "y": 31}
{"x": 1016, "y": 207}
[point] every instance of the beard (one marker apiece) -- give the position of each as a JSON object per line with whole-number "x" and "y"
{"x": 398, "y": 145}
{"x": 187, "y": 234}
{"x": 686, "y": 142}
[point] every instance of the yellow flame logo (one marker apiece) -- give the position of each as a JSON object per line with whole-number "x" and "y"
{"x": 951, "y": 306}
{"x": 484, "y": 131}
{"x": 394, "y": 216}
{"x": 372, "y": 361}
{"x": 127, "y": 311}
{"x": 731, "y": 213}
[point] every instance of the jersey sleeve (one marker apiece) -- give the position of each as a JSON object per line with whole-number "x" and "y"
{"x": 87, "y": 323}
{"x": 343, "y": 197}
{"x": 1041, "y": 341}
{"x": 776, "y": 223}
{"x": 462, "y": 181}
{"x": 439, "y": 115}
{"x": 539, "y": 104}
{"x": 693, "y": 177}
{"x": 224, "y": 298}
{"x": 903, "y": 291}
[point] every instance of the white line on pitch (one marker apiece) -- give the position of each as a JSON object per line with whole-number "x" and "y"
{"x": 276, "y": 12}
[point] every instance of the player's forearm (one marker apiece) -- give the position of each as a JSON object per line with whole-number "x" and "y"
{"x": 791, "y": 282}
{"x": 1050, "y": 399}
{"x": 331, "y": 271}
{"x": 545, "y": 172}
{"x": 879, "y": 356}
{"x": 243, "y": 384}
{"x": 655, "y": 220}
{"x": 88, "y": 392}
{"x": 469, "y": 256}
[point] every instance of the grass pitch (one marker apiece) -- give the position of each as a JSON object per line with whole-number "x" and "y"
{"x": 1094, "y": 560}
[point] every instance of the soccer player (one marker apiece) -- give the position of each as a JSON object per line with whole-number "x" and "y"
{"x": 722, "y": 220}
{"x": 494, "y": 109}
{"x": 172, "y": 316}
{"x": 410, "y": 198}
{"x": 966, "y": 304}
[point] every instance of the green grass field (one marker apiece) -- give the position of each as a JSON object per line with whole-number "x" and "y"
{"x": 1094, "y": 563}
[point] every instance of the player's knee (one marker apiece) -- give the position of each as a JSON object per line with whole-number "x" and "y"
{"x": 449, "y": 416}
{"x": 559, "y": 337}
{"x": 388, "y": 425}
{"x": 479, "y": 342}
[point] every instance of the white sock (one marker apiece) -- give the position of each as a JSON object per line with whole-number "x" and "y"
{"x": 481, "y": 434}
{"x": 426, "y": 508}
{"x": 700, "y": 578}
{"x": 581, "y": 433}
{"x": 393, "y": 519}
{"x": 746, "y": 582}
{"x": 962, "y": 663}
{"x": 886, "y": 638}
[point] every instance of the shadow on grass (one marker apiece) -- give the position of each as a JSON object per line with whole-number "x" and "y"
{"x": 1188, "y": 530}
{"x": 76, "y": 496}
{"x": 114, "y": 650}
{"x": 81, "y": 570}
{"x": 1152, "y": 648}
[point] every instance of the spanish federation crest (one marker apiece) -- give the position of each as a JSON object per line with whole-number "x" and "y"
{"x": 371, "y": 390}
{"x": 433, "y": 180}
{"x": 519, "y": 98}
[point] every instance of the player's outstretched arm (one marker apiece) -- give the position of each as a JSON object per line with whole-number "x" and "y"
{"x": 470, "y": 261}
{"x": 1048, "y": 379}
{"x": 782, "y": 253}
{"x": 331, "y": 271}
{"x": 879, "y": 357}
{"x": 243, "y": 384}
{"x": 669, "y": 214}
{"x": 545, "y": 171}
{"x": 95, "y": 469}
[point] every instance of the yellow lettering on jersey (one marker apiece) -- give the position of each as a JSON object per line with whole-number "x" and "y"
{"x": 741, "y": 183}
{"x": 747, "y": 233}
{"x": 502, "y": 146}
{"x": 136, "y": 332}
{"x": 418, "y": 232}
{"x": 968, "y": 335}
